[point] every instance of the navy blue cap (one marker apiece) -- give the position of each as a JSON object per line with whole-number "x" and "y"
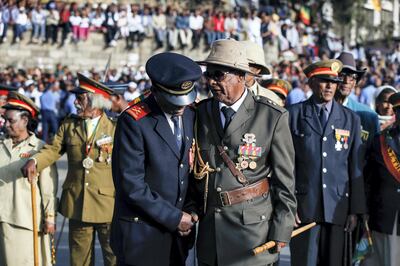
{"x": 174, "y": 76}
{"x": 118, "y": 88}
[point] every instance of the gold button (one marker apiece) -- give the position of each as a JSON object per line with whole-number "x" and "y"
{"x": 181, "y": 165}
{"x": 87, "y": 184}
{"x": 225, "y": 148}
{"x": 136, "y": 219}
{"x": 219, "y": 189}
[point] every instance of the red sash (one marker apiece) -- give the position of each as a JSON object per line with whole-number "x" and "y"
{"x": 390, "y": 158}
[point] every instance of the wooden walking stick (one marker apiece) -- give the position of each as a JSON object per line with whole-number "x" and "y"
{"x": 272, "y": 244}
{"x": 34, "y": 222}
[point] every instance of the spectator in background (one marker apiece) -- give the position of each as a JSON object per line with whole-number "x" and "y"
{"x": 172, "y": 32}
{"x": 123, "y": 26}
{"x": 110, "y": 25}
{"x": 231, "y": 26}
{"x": 383, "y": 107}
{"x": 75, "y": 21}
{"x": 5, "y": 20}
{"x": 64, "y": 23}
{"x": 135, "y": 28}
{"x": 32, "y": 92}
{"x": 218, "y": 22}
{"x": 147, "y": 22}
{"x": 132, "y": 92}
{"x": 182, "y": 25}
{"x": 49, "y": 102}
{"x": 52, "y": 24}
{"x": 269, "y": 35}
{"x": 209, "y": 31}
{"x": 38, "y": 18}
{"x": 254, "y": 28}
{"x": 196, "y": 22}
{"x": 368, "y": 93}
{"x": 20, "y": 19}
{"x": 141, "y": 74}
{"x": 84, "y": 26}
{"x": 97, "y": 19}
{"x": 159, "y": 26}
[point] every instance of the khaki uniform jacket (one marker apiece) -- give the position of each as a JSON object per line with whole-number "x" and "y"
{"x": 258, "y": 90}
{"x": 15, "y": 190}
{"x": 88, "y": 195}
{"x": 227, "y": 234}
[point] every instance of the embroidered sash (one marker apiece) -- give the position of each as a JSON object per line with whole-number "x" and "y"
{"x": 390, "y": 158}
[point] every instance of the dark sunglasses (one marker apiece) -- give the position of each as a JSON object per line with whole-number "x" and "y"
{"x": 216, "y": 75}
{"x": 350, "y": 77}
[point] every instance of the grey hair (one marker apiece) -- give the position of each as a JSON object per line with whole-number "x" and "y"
{"x": 98, "y": 101}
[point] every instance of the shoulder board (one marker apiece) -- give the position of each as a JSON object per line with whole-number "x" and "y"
{"x": 266, "y": 101}
{"x": 140, "y": 98}
{"x": 139, "y": 110}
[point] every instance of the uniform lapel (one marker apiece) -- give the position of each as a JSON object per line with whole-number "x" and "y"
{"x": 216, "y": 117}
{"x": 311, "y": 117}
{"x": 8, "y": 144}
{"x": 334, "y": 119}
{"x": 80, "y": 129}
{"x": 242, "y": 115}
{"x": 188, "y": 131}
{"x": 163, "y": 129}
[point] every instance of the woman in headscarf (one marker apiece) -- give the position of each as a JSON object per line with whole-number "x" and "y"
{"x": 383, "y": 107}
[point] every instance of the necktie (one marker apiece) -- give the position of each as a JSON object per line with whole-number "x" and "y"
{"x": 177, "y": 131}
{"x": 323, "y": 116}
{"x": 228, "y": 113}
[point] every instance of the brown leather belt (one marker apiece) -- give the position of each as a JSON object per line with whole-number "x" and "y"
{"x": 249, "y": 192}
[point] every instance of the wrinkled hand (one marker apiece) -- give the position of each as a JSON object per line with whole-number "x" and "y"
{"x": 351, "y": 223}
{"x": 185, "y": 225}
{"x": 29, "y": 170}
{"x": 297, "y": 221}
{"x": 49, "y": 228}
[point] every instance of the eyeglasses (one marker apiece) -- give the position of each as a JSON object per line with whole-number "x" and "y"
{"x": 350, "y": 77}
{"x": 216, "y": 75}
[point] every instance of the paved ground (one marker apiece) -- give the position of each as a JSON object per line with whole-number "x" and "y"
{"x": 63, "y": 251}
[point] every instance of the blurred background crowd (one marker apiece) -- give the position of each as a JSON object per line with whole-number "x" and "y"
{"x": 291, "y": 35}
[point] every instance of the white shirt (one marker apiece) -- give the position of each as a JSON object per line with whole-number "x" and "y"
{"x": 85, "y": 22}
{"x": 91, "y": 125}
{"x": 171, "y": 123}
{"x": 234, "y": 106}
{"x": 196, "y": 22}
{"x": 75, "y": 20}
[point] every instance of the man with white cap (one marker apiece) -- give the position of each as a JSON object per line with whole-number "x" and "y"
{"x": 243, "y": 189}
{"x": 257, "y": 66}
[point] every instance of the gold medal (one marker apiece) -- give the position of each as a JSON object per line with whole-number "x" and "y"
{"x": 253, "y": 165}
{"x": 87, "y": 163}
{"x": 244, "y": 164}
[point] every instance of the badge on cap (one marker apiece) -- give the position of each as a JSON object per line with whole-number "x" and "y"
{"x": 186, "y": 85}
{"x": 281, "y": 83}
{"x": 335, "y": 67}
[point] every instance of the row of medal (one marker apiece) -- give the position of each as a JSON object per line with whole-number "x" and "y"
{"x": 105, "y": 146}
{"x": 248, "y": 153}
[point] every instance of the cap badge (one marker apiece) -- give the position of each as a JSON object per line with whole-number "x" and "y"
{"x": 281, "y": 83}
{"x": 186, "y": 85}
{"x": 335, "y": 67}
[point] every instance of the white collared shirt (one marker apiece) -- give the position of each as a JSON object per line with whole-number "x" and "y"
{"x": 171, "y": 123}
{"x": 234, "y": 106}
{"x": 91, "y": 125}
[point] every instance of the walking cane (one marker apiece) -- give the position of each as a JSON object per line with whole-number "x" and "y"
{"x": 34, "y": 222}
{"x": 272, "y": 244}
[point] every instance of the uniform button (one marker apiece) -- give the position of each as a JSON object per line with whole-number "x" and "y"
{"x": 324, "y": 170}
{"x": 347, "y": 194}
{"x": 324, "y": 139}
{"x": 181, "y": 165}
{"x": 136, "y": 219}
{"x": 398, "y": 190}
{"x": 181, "y": 182}
{"x": 218, "y": 169}
{"x": 217, "y": 210}
{"x": 87, "y": 184}
{"x": 87, "y": 172}
{"x": 262, "y": 217}
{"x": 324, "y": 185}
{"x": 225, "y": 148}
{"x": 219, "y": 189}
{"x": 324, "y": 154}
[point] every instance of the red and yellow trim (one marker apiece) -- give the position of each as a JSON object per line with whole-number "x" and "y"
{"x": 278, "y": 89}
{"x": 322, "y": 71}
{"x": 23, "y": 105}
{"x": 139, "y": 110}
{"x": 93, "y": 89}
{"x": 390, "y": 158}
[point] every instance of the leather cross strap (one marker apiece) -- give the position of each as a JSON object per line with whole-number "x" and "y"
{"x": 249, "y": 192}
{"x": 232, "y": 167}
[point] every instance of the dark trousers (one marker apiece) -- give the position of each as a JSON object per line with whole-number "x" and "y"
{"x": 49, "y": 124}
{"x": 81, "y": 243}
{"x": 196, "y": 38}
{"x": 322, "y": 245}
{"x": 51, "y": 33}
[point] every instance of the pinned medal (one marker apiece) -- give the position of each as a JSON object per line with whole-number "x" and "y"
{"x": 244, "y": 165}
{"x": 253, "y": 165}
{"x": 87, "y": 163}
{"x": 342, "y": 137}
{"x": 248, "y": 152}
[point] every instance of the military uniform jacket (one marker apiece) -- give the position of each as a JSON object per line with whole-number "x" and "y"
{"x": 88, "y": 195}
{"x": 151, "y": 179}
{"x": 384, "y": 188}
{"x": 329, "y": 180}
{"x": 229, "y": 233}
{"x": 15, "y": 190}
{"x": 258, "y": 90}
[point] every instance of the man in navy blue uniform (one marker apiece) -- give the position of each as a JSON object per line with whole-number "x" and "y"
{"x": 151, "y": 165}
{"x": 328, "y": 169}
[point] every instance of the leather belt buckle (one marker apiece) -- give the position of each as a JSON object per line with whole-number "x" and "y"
{"x": 225, "y": 200}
